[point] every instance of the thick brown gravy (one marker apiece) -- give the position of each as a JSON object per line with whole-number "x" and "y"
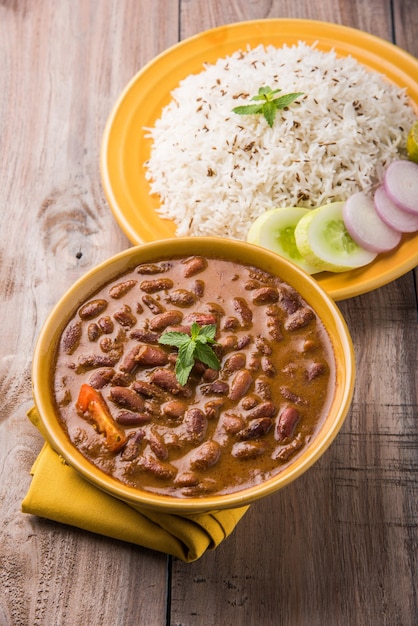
{"x": 224, "y": 430}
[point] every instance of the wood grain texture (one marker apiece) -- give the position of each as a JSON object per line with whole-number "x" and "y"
{"x": 339, "y": 546}
{"x": 63, "y": 66}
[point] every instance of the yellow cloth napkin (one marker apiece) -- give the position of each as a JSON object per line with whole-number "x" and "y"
{"x": 57, "y": 492}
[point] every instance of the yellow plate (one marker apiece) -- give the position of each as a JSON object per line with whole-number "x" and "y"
{"x": 124, "y": 148}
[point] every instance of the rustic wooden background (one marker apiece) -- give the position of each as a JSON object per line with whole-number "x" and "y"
{"x": 339, "y": 546}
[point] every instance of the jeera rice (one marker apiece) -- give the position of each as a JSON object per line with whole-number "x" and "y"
{"x": 215, "y": 171}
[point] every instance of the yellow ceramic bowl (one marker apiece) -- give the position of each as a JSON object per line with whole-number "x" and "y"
{"x": 43, "y": 364}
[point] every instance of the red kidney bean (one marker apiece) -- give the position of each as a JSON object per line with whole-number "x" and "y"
{"x": 121, "y": 289}
{"x": 153, "y": 268}
{"x": 127, "y": 398}
{"x": 283, "y": 453}
{"x": 274, "y": 327}
{"x": 274, "y": 310}
{"x": 264, "y": 295}
{"x": 291, "y": 396}
{"x": 268, "y": 366}
{"x": 186, "y": 479}
{"x": 121, "y": 379}
{"x": 256, "y": 428}
{"x": 194, "y": 265}
{"x": 286, "y": 423}
{"x": 301, "y": 318}
{"x": 262, "y": 388}
{"x": 158, "y": 284}
{"x": 264, "y": 409}
{"x": 125, "y": 317}
{"x": 157, "y": 445}
{"x": 130, "y": 451}
{"x": 309, "y": 345}
{"x": 314, "y": 370}
{"x": 251, "y": 284}
{"x": 92, "y": 309}
{"x": 166, "y": 379}
{"x": 71, "y": 337}
{"x": 102, "y": 377}
{"x": 178, "y": 328}
{"x": 129, "y": 363}
{"x": 243, "y": 342}
{"x": 232, "y": 423}
{"x": 260, "y": 275}
{"x": 159, "y": 469}
{"x": 243, "y": 310}
{"x": 138, "y": 435}
{"x": 130, "y": 418}
{"x": 263, "y": 345}
{"x": 209, "y": 375}
{"x": 195, "y": 423}
{"x": 204, "y": 486}
{"x": 248, "y": 449}
{"x": 217, "y": 388}
{"x": 289, "y": 299}
{"x": 154, "y": 306}
{"x": 107, "y": 345}
{"x": 148, "y": 390}
{"x": 174, "y": 409}
{"x": 230, "y": 323}
{"x": 93, "y": 331}
{"x": 146, "y": 336}
{"x": 198, "y": 288}
{"x": 234, "y": 363}
{"x": 228, "y": 343}
{"x": 213, "y": 407}
{"x": 91, "y": 361}
{"x": 163, "y": 320}
{"x": 240, "y": 385}
{"x": 206, "y": 455}
{"x": 249, "y": 402}
{"x": 215, "y": 309}
{"x": 202, "y": 319}
{"x": 181, "y": 297}
{"x": 106, "y": 324}
{"x": 150, "y": 356}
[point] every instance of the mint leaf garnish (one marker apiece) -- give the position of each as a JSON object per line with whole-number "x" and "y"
{"x": 197, "y": 345}
{"x": 268, "y": 104}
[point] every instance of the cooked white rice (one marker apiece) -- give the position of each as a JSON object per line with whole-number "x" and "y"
{"x": 216, "y": 171}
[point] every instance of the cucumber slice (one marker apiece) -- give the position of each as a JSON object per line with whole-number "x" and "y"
{"x": 275, "y": 230}
{"x": 324, "y": 241}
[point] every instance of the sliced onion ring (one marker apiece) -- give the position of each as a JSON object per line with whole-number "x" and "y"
{"x": 392, "y": 215}
{"x": 365, "y": 226}
{"x": 401, "y": 184}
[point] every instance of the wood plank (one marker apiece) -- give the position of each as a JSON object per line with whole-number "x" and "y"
{"x": 328, "y": 548}
{"x": 63, "y": 66}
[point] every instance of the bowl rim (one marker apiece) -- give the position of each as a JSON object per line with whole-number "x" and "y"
{"x": 88, "y": 283}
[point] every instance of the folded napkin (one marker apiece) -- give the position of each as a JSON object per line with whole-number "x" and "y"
{"x": 57, "y": 492}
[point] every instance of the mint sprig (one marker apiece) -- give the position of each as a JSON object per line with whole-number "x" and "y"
{"x": 267, "y": 105}
{"x": 197, "y": 345}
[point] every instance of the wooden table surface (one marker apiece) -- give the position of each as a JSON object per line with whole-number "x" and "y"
{"x": 337, "y": 547}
